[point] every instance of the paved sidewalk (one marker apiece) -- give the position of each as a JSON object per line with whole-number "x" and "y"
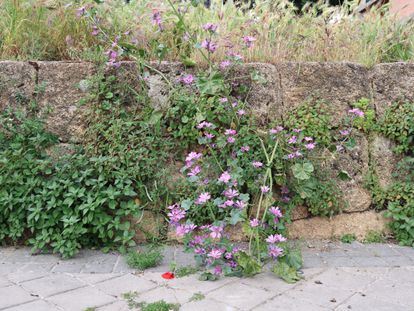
{"x": 336, "y": 277}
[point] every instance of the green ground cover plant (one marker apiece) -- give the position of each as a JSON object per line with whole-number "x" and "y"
{"x": 144, "y": 259}
{"x": 348, "y": 238}
{"x": 398, "y": 124}
{"x": 52, "y": 30}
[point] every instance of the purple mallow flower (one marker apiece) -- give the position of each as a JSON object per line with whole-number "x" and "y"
{"x": 254, "y": 223}
{"x": 216, "y": 232}
{"x": 264, "y": 189}
{"x": 204, "y": 124}
{"x": 203, "y": 198}
{"x": 224, "y": 64}
{"x": 275, "y": 251}
{"x": 240, "y": 204}
{"x": 187, "y": 79}
{"x": 276, "y": 211}
{"x": 257, "y": 164}
{"x": 230, "y": 132}
{"x": 193, "y": 156}
{"x": 156, "y": 18}
{"x": 292, "y": 140}
{"x": 345, "y": 132}
{"x": 225, "y": 177}
{"x": 231, "y": 193}
{"x": 210, "y": 46}
{"x": 81, "y": 11}
{"x": 241, "y": 112}
{"x": 275, "y": 238}
{"x": 310, "y": 146}
{"x": 356, "y": 112}
{"x": 215, "y": 253}
{"x": 249, "y": 41}
{"x": 245, "y": 148}
{"x": 209, "y": 135}
{"x": 194, "y": 171}
{"x": 231, "y": 139}
{"x": 276, "y": 130}
{"x": 210, "y": 27}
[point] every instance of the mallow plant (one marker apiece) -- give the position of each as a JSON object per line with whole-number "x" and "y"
{"x": 240, "y": 175}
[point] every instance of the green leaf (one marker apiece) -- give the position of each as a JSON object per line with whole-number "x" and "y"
{"x": 344, "y": 175}
{"x": 302, "y": 171}
{"x": 186, "y": 204}
{"x": 155, "y": 117}
{"x": 248, "y": 264}
{"x": 285, "y": 272}
{"x": 236, "y": 216}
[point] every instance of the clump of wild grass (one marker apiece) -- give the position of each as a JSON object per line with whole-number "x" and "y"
{"x": 143, "y": 260}
{"x": 50, "y": 29}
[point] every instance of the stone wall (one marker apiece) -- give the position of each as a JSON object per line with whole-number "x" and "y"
{"x": 58, "y": 86}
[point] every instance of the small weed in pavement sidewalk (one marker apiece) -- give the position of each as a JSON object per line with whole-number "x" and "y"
{"x": 142, "y": 260}
{"x": 348, "y": 238}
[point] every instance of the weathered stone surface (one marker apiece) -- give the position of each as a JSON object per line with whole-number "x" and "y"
{"x": 160, "y": 75}
{"x": 61, "y": 96}
{"x": 236, "y": 233}
{"x": 391, "y": 82}
{"x": 326, "y": 228}
{"x": 148, "y": 226}
{"x": 339, "y": 84}
{"x": 355, "y": 163}
{"x": 17, "y": 83}
{"x": 383, "y": 160}
{"x": 265, "y": 95}
{"x": 300, "y": 212}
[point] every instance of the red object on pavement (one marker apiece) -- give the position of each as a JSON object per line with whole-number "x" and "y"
{"x": 168, "y": 275}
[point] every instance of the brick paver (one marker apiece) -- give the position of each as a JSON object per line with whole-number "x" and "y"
{"x": 336, "y": 277}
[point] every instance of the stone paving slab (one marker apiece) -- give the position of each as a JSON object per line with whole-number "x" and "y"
{"x": 336, "y": 276}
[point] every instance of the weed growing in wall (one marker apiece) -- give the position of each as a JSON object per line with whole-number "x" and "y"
{"x": 398, "y": 124}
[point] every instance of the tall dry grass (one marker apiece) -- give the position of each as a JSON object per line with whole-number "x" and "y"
{"x": 50, "y": 29}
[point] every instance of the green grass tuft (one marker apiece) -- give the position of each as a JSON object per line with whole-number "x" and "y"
{"x": 142, "y": 260}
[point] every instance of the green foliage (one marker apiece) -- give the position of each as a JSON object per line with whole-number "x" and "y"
{"x": 62, "y": 205}
{"x": 143, "y": 260}
{"x": 367, "y": 122}
{"x": 348, "y": 238}
{"x": 288, "y": 266}
{"x": 160, "y": 305}
{"x": 249, "y": 266}
{"x": 374, "y": 237}
{"x": 400, "y": 208}
{"x": 398, "y": 124}
{"x": 183, "y": 271}
{"x": 321, "y": 195}
{"x": 197, "y": 297}
{"x": 302, "y": 171}
{"x": 314, "y": 120}
{"x": 208, "y": 276}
